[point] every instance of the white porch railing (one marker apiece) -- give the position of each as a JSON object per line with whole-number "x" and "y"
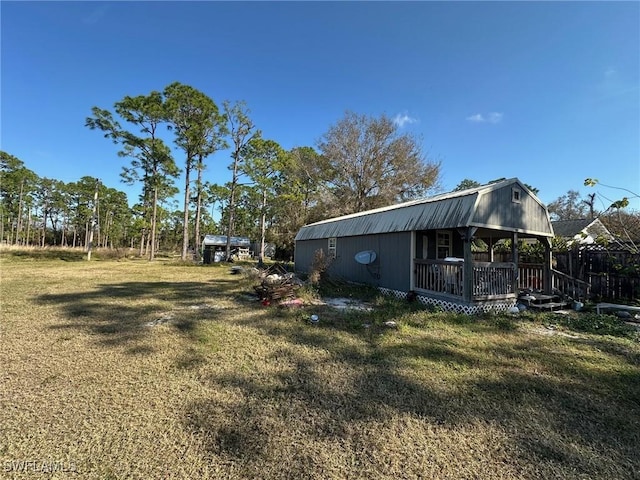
{"x": 439, "y": 276}
{"x": 490, "y": 280}
{"x": 531, "y": 276}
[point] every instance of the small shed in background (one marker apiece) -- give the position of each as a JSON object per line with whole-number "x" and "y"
{"x": 214, "y": 248}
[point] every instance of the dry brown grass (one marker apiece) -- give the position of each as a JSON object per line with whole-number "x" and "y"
{"x": 222, "y": 387}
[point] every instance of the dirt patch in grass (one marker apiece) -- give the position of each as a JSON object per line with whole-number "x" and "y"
{"x": 149, "y": 370}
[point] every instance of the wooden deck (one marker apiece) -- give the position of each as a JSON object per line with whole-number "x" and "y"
{"x": 490, "y": 280}
{"x": 497, "y": 280}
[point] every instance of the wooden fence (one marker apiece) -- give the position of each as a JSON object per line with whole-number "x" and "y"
{"x": 613, "y": 275}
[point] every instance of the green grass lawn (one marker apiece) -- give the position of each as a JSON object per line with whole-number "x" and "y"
{"x": 130, "y": 369}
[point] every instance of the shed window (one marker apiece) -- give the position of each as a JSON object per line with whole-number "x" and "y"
{"x": 515, "y": 195}
{"x": 443, "y": 244}
{"x": 333, "y": 242}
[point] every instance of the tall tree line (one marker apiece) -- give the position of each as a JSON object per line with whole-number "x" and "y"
{"x": 361, "y": 162}
{"x": 40, "y": 211}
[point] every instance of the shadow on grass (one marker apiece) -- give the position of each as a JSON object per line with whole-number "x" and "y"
{"x": 123, "y": 313}
{"x": 339, "y": 382}
{"x": 67, "y": 255}
{"x": 560, "y": 422}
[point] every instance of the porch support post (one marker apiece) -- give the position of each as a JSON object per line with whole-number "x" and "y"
{"x": 547, "y": 282}
{"x": 412, "y": 267}
{"x": 514, "y": 259}
{"x": 467, "y": 267}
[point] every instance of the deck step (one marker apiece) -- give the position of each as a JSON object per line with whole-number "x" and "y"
{"x": 543, "y": 302}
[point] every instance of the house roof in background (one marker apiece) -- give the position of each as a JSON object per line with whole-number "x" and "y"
{"x": 585, "y": 231}
{"x": 570, "y": 228}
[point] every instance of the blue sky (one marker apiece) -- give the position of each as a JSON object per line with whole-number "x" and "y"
{"x": 546, "y": 92}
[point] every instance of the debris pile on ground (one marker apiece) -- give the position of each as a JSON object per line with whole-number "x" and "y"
{"x": 277, "y": 284}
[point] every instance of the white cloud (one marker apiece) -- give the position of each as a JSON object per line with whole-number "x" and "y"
{"x": 493, "y": 117}
{"x": 477, "y": 118}
{"x": 402, "y": 119}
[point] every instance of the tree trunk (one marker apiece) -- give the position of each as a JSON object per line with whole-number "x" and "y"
{"x": 11, "y": 234}
{"x": 154, "y": 217}
{"x": 97, "y": 223}
{"x": 107, "y": 227}
{"x": 28, "y": 240}
{"x": 142, "y": 243}
{"x": 25, "y": 221}
{"x": 19, "y": 226}
{"x": 54, "y": 229}
{"x": 187, "y": 194}
{"x": 197, "y": 242}
{"x": 44, "y": 225}
{"x": 232, "y": 204}
{"x": 263, "y": 221}
{"x": 93, "y": 223}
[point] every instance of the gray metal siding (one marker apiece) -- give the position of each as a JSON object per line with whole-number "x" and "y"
{"x": 396, "y": 261}
{"x": 344, "y": 266}
{"x": 304, "y": 251}
{"x": 392, "y": 268}
{"x": 497, "y": 209}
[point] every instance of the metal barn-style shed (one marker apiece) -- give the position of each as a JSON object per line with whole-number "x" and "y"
{"x": 425, "y": 246}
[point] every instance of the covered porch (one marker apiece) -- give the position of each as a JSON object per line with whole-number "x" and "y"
{"x": 466, "y": 280}
{"x": 447, "y": 278}
{"x": 448, "y": 270}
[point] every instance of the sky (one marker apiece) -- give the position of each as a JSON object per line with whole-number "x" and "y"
{"x": 547, "y": 92}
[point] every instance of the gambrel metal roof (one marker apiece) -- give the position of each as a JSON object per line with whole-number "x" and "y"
{"x": 487, "y": 206}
